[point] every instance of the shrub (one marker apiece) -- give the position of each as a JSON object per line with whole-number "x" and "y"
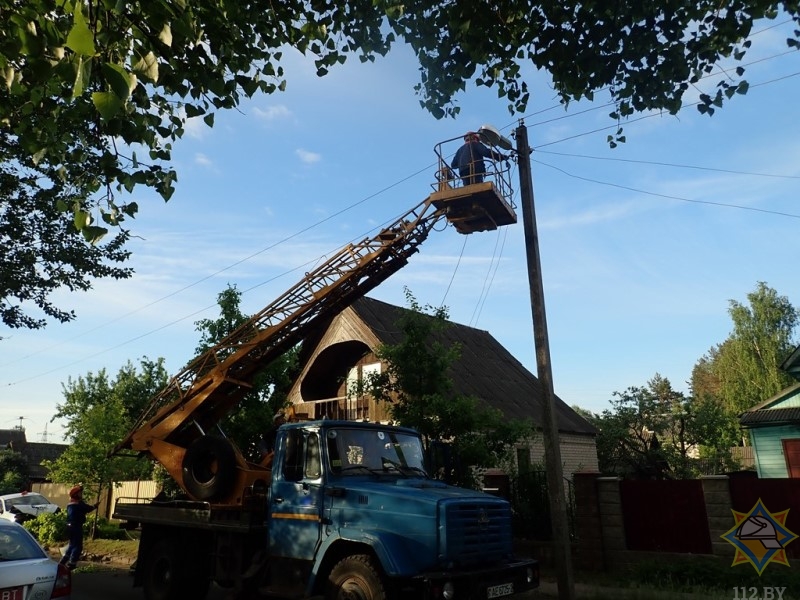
{"x": 106, "y": 530}
{"x": 49, "y": 528}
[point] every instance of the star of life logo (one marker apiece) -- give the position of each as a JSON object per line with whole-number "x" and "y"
{"x": 760, "y": 537}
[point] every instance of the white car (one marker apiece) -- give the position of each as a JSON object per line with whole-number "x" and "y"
{"x": 25, "y": 569}
{"x": 25, "y": 506}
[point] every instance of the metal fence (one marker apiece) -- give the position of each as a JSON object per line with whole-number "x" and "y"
{"x": 530, "y": 503}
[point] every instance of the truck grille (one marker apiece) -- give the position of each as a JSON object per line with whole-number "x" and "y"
{"x": 476, "y": 532}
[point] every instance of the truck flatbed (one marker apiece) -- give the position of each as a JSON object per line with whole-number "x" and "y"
{"x": 189, "y": 513}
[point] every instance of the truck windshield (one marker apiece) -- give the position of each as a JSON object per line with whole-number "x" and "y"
{"x": 360, "y": 451}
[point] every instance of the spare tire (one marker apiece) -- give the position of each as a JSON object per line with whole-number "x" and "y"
{"x": 209, "y": 468}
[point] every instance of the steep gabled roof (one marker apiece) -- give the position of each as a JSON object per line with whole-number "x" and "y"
{"x": 485, "y": 369}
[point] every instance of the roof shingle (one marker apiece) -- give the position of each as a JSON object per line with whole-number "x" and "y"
{"x": 485, "y": 369}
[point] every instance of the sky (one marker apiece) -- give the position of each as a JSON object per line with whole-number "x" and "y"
{"x": 642, "y": 246}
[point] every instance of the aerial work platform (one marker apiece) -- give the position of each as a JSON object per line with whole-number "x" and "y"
{"x": 474, "y": 207}
{"x": 471, "y": 207}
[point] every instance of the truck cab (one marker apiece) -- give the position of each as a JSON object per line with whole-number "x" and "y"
{"x": 352, "y": 506}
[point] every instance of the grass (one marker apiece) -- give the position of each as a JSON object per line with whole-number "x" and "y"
{"x": 117, "y": 549}
{"x": 102, "y": 551}
{"x": 698, "y": 578}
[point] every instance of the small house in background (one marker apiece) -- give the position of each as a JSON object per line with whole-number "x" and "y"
{"x": 774, "y": 427}
{"x": 344, "y": 352}
{"x": 34, "y": 452}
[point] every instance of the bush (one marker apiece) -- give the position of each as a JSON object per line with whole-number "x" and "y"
{"x": 51, "y": 529}
{"x": 106, "y": 530}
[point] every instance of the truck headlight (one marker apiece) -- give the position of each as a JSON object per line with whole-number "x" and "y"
{"x": 448, "y": 591}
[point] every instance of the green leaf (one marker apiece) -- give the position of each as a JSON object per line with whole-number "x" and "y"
{"x": 81, "y": 219}
{"x": 77, "y": 87}
{"x": 166, "y": 35}
{"x": 147, "y": 68}
{"x": 209, "y": 119}
{"x": 8, "y": 76}
{"x": 80, "y": 38}
{"x": 108, "y": 104}
{"x": 119, "y": 80}
{"x": 93, "y": 234}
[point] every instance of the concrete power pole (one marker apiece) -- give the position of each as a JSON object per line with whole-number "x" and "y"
{"x": 552, "y": 450}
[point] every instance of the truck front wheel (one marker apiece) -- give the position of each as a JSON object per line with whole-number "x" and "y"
{"x": 355, "y": 578}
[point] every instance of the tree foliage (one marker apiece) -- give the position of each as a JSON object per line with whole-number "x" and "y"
{"x": 252, "y": 418}
{"x": 418, "y": 386}
{"x": 744, "y": 370}
{"x": 14, "y": 472}
{"x": 654, "y": 432}
{"x": 41, "y": 249}
{"x": 96, "y": 93}
{"x": 99, "y": 412}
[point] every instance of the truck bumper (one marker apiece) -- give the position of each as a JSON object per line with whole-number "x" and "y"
{"x": 496, "y": 581}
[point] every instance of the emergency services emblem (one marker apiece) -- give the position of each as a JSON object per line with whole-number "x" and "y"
{"x": 760, "y": 537}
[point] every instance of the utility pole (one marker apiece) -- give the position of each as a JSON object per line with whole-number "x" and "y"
{"x": 552, "y": 450}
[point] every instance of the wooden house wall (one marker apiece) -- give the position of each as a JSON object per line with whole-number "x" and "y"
{"x": 768, "y": 446}
{"x": 790, "y": 402}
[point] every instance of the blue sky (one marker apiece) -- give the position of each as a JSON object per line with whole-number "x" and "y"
{"x": 642, "y": 246}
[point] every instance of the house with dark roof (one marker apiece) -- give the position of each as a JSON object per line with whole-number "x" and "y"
{"x": 343, "y": 351}
{"x": 774, "y": 427}
{"x": 34, "y": 452}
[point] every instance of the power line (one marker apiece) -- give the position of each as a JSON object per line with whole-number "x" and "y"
{"x": 669, "y": 197}
{"x": 668, "y": 164}
{"x": 647, "y": 116}
{"x": 455, "y": 270}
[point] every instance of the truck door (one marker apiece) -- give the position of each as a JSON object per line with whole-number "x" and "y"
{"x": 295, "y": 498}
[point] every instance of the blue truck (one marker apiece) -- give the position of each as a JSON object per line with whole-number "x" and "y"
{"x": 346, "y": 510}
{"x": 348, "y": 513}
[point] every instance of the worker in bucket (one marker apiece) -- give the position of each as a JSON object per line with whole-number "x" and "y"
{"x": 469, "y": 159}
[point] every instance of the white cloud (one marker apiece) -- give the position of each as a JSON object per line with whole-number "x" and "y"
{"x": 308, "y": 157}
{"x": 203, "y": 160}
{"x": 271, "y": 113}
{"x": 195, "y": 128}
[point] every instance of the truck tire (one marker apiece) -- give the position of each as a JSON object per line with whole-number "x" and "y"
{"x": 355, "y": 578}
{"x": 209, "y": 468}
{"x": 168, "y": 574}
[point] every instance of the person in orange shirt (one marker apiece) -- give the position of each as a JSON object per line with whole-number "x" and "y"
{"x": 77, "y": 510}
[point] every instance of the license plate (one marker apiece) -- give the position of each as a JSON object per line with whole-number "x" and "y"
{"x": 17, "y": 593}
{"x": 498, "y": 591}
